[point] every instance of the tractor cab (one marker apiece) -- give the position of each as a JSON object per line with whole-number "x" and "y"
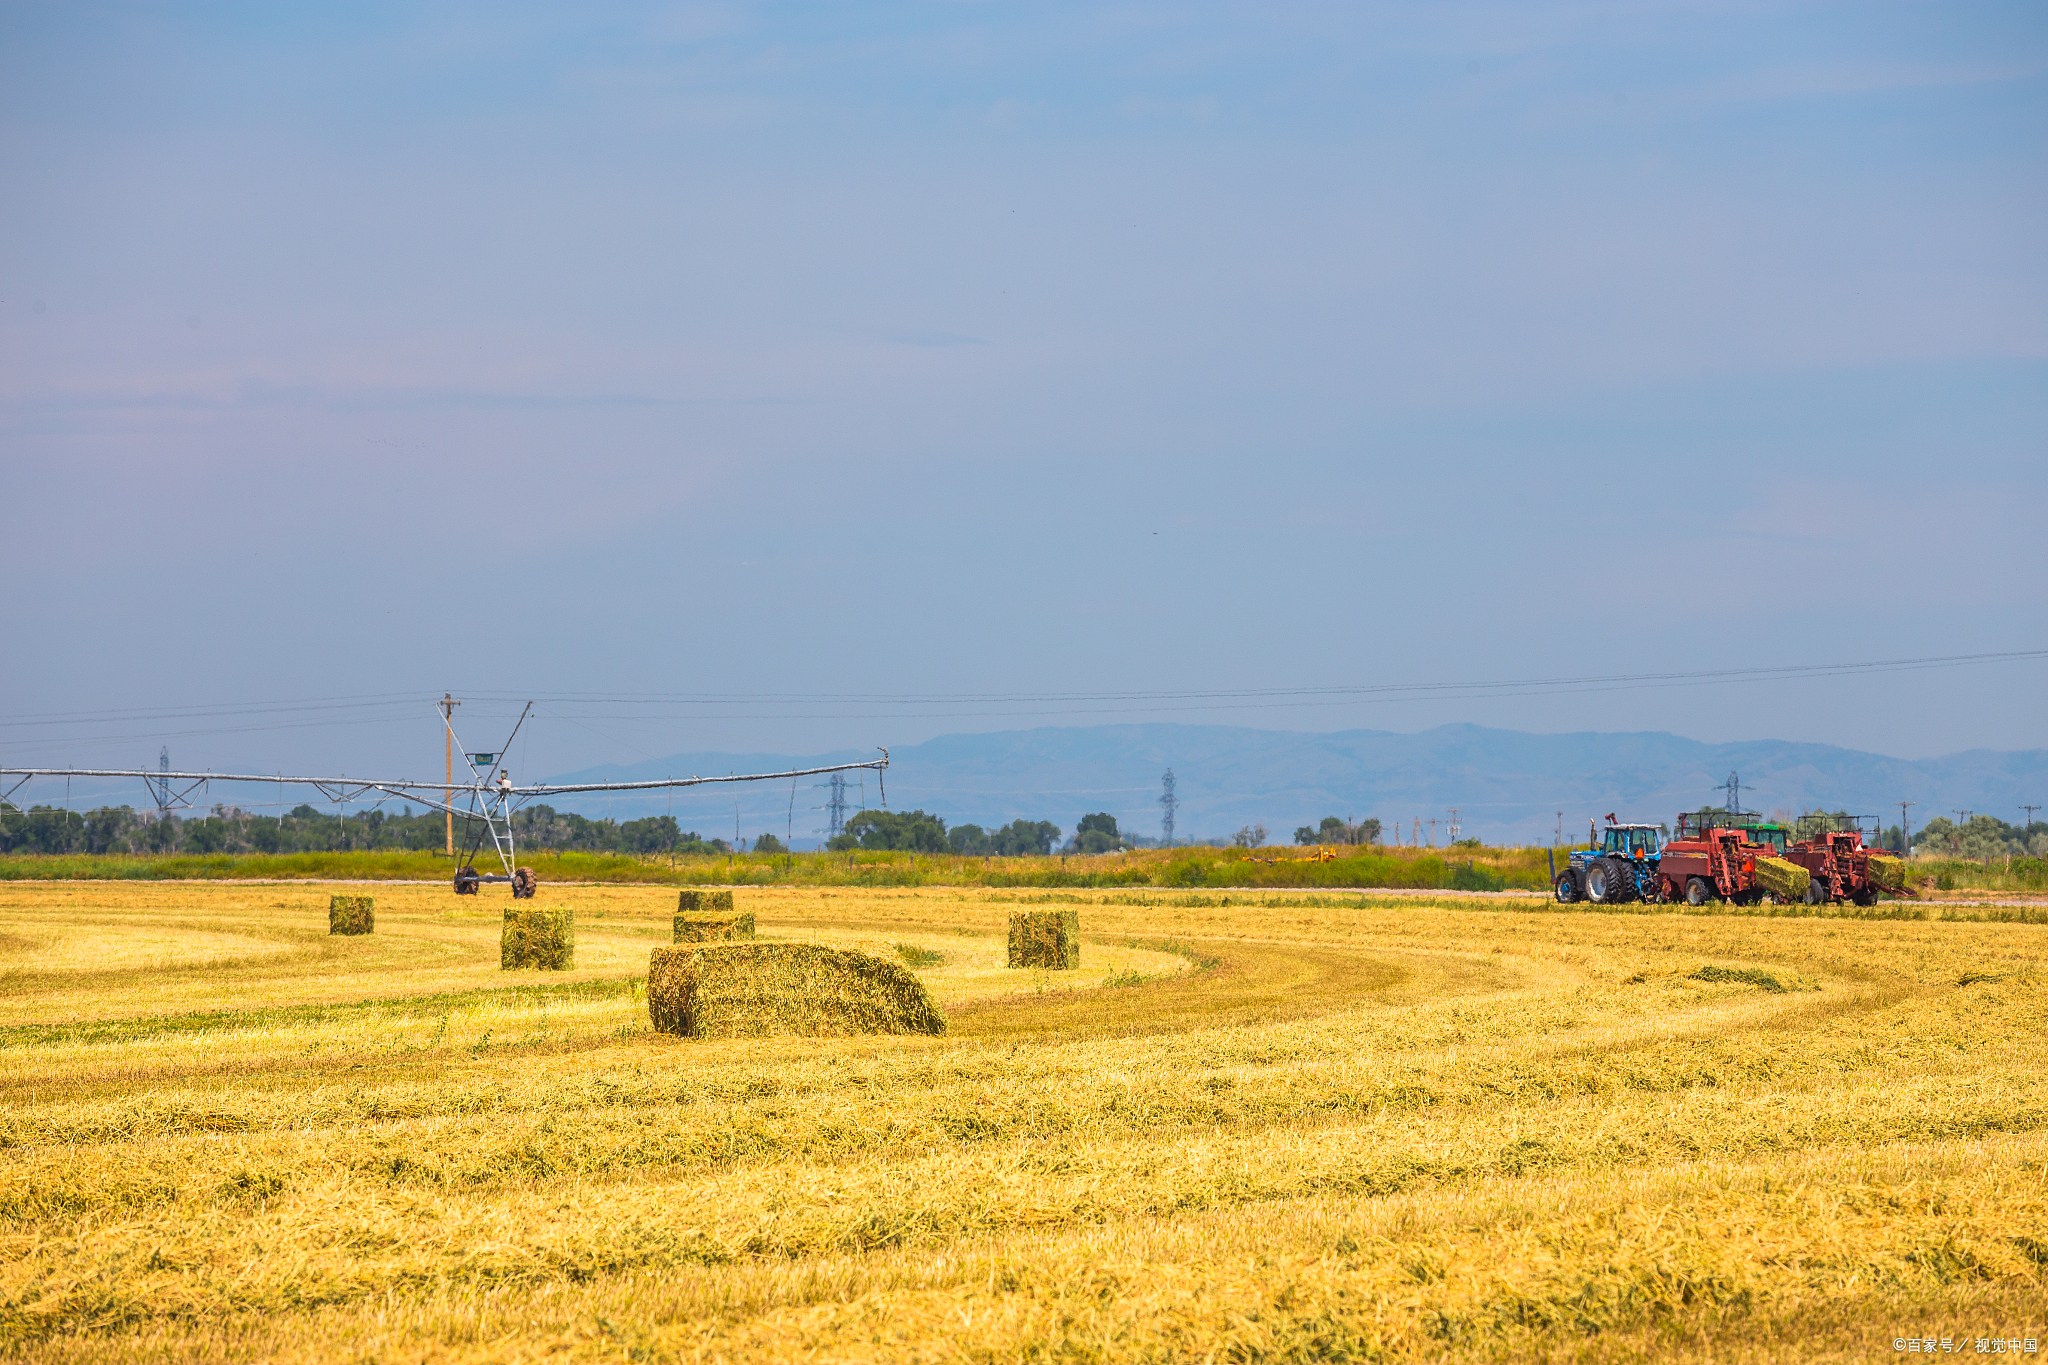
{"x": 1776, "y": 837}
{"x": 1632, "y": 841}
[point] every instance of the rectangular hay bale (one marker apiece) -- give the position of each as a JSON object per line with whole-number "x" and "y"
{"x": 544, "y": 939}
{"x": 351, "y": 914}
{"x": 1046, "y": 938}
{"x": 1787, "y": 881}
{"x": 713, "y": 928}
{"x": 754, "y": 990}
{"x": 696, "y": 902}
{"x": 1889, "y": 873}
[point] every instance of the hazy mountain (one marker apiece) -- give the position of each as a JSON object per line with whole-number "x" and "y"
{"x": 1509, "y": 786}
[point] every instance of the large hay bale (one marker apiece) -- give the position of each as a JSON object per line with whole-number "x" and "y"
{"x": 1787, "y": 881}
{"x": 545, "y": 939}
{"x": 1889, "y": 873}
{"x": 1046, "y": 938}
{"x": 726, "y": 990}
{"x": 351, "y": 914}
{"x": 695, "y": 902}
{"x": 713, "y": 928}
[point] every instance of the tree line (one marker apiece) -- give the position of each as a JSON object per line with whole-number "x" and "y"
{"x": 307, "y": 829}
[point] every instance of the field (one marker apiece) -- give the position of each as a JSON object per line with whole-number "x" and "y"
{"x": 1253, "y": 1127}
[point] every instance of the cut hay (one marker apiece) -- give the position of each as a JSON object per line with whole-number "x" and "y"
{"x": 1046, "y": 938}
{"x": 751, "y": 990}
{"x": 713, "y": 928}
{"x": 543, "y": 939}
{"x": 1889, "y": 873}
{"x": 351, "y": 914}
{"x": 1786, "y": 881}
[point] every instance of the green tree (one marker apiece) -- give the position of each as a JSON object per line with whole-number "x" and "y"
{"x": 906, "y": 831}
{"x": 768, "y": 843}
{"x": 1020, "y": 838}
{"x": 1097, "y": 833}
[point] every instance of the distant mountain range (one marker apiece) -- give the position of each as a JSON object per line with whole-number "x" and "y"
{"x": 1508, "y": 786}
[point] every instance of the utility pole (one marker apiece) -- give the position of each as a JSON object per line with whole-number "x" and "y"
{"x": 1454, "y": 824}
{"x": 1906, "y": 826}
{"x": 1955, "y": 838}
{"x": 1168, "y": 804}
{"x": 1558, "y": 837}
{"x": 2030, "y": 818}
{"x": 1432, "y": 831}
{"x": 448, "y": 705}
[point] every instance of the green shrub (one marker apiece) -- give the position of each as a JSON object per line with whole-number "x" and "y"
{"x": 1470, "y": 878}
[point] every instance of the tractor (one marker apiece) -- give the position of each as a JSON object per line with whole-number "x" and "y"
{"x": 1621, "y": 866}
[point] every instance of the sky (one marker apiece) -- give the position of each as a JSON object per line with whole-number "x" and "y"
{"x": 788, "y": 378}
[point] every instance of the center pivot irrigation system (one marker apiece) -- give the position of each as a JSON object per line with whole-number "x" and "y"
{"x": 488, "y": 799}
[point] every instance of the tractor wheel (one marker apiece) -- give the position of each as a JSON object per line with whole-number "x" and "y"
{"x": 524, "y": 884}
{"x": 1698, "y": 891}
{"x": 1816, "y": 891}
{"x": 466, "y": 881}
{"x": 1608, "y": 882}
{"x": 1865, "y": 898}
{"x": 1567, "y": 887}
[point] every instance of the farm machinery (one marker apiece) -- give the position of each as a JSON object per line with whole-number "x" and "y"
{"x": 487, "y": 797}
{"x": 1737, "y": 861}
{"x": 1842, "y": 860}
{"x": 1740, "y": 860}
{"x": 1621, "y": 866}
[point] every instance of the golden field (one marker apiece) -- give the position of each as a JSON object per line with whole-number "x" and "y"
{"x": 1251, "y": 1127}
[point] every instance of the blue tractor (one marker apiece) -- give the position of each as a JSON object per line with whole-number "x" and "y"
{"x": 1620, "y": 867}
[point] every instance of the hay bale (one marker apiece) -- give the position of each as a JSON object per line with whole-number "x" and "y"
{"x": 351, "y": 914}
{"x": 1046, "y": 938}
{"x": 709, "y": 917}
{"x": 713, "y": 928}
{"x": 1887, "y": 872}
{"x": 727, "y": 990}
{"x": 545, "y": 939}
{"x": 1787, "y": 881}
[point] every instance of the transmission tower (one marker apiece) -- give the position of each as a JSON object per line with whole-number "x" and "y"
{"x": 1168, "y": 804}
{"x": 835, "y": 806}
{"x": 1734, "y": 797}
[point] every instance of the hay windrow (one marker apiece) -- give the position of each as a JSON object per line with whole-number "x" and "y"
{"x": 351, "y": 914}
{"x": 1046, "y": 938}
{"x": 1787, "y": 881}
{"x": 539, "y": 938}
{"x": 728, "y": 990}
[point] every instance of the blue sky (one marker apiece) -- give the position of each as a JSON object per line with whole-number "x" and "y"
{"x": 948, "y": 350}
